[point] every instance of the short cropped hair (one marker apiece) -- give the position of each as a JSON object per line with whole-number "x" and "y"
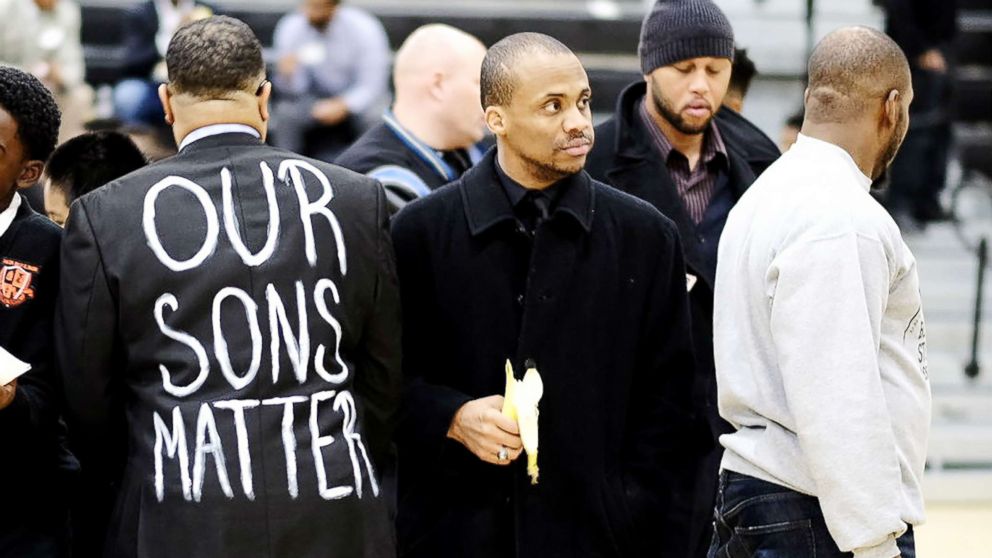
{"x": 215, "y": 57}
{"x": 742, "y": 72}
{"x": 88, "y": 161}
{"x": 849, "y": 67}
{"x": 33, "y": 108}
{"x": 497, "y": 80}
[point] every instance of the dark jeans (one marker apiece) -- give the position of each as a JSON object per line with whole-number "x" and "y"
{"x": 754, "y": 518}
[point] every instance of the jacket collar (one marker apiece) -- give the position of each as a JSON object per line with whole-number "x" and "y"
{"x": 486, "y": 204}
{"x": 230, "y": 139}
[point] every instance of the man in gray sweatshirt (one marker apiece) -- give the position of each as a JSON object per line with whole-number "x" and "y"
{"x": 819, "y": 336}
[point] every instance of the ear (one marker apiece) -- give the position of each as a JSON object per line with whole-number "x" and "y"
{"x": 30, "y": 174}
{"x": 263, "y": 100}
{"x": 166, "y": 99}
{"x": 437, "y": 85}
{"x": 892, "y": 109}
{"x": 806, "y": 97}
{"x": 496, "y": 120}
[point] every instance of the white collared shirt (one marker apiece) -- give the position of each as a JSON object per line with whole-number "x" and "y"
{"x": 7, "y": 216}
{"x": 216, "y": 130}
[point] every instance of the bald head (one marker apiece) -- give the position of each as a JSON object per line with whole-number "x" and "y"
{"x": 435, "y": 48}
{"x": 849, "y": 69}
{"x": 436, "y": 77}
{"x": 498, "y": 80}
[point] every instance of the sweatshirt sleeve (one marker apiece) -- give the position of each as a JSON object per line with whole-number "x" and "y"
{"x": 828, "y": 299}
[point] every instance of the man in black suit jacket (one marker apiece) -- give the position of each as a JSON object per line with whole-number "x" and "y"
{"x": 527, "y": 258}
{"x": 36, "y": 468}
{"x": 229, "y": 331}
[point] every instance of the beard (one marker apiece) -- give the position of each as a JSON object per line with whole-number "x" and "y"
{"x": 889, "y": 153}
{"x": 549, "y": 171}
{"x": 668, "y": 112}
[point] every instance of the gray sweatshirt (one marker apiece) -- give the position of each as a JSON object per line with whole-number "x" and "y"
{"x": 820, "y": 347}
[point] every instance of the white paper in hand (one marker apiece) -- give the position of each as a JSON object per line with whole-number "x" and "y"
{"x": 11, "y": 367}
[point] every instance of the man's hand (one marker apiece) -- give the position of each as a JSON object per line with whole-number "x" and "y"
{"x": 329, "y": 111}
{"x": 287, "y": 65}
{"x": 480, "y": 426}
{"x": 7, "y": 393}
{"x": 933, "y": 61}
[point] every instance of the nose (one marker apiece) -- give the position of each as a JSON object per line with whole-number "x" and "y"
{"x": 699, "y": 82}
{"x": 576, "y": 120}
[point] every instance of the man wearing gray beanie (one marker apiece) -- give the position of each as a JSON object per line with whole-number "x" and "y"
{"x": 668, "y": 145}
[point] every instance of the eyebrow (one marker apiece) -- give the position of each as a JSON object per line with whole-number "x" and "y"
{"x": 552, "y": 95}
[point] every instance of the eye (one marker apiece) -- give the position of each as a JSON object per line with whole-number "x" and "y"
{"x": 584, "y": 103}
{"x": 552, "y": 107}
{"x": 712, "y": 71}
{"x": 684, "y": 69}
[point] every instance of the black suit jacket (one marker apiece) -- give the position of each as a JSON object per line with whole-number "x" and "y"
{"x": 233, "y": 376}
{"x": 35, "y": 463}
{"x": 597, "y": 299}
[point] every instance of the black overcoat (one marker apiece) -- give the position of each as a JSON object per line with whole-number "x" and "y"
{"x": 232, "y": 376}
{"x": 625, "y": 157}
{"x": 597, "y": 299}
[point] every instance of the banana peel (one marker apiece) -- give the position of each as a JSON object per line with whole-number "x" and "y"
{"x": 520, "y": 401}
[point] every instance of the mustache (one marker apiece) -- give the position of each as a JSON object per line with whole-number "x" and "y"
{"x": 576, "y": 140}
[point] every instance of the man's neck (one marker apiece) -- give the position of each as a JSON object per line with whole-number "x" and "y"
{"x": 422, "y": 124}
{"x": 850, "y": 138}
{"x": 690, "y": 145}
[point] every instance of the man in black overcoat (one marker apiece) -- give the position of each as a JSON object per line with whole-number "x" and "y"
{"x": 229, "y": 332}
{"x": 665, "y": 146}
{"x": 527, "y": 258}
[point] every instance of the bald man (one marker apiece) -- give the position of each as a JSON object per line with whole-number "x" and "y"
{"x": 819, "y": 336}
{"x": 430, "y": 136}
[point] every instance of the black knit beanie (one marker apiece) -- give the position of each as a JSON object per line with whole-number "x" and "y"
{"x": 682, "y": 29}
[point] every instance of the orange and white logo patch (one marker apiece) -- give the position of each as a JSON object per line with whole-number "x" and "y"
{"x": 15, "y": 282}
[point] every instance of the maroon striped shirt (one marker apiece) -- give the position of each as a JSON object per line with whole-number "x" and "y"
{"x": 696, "y": 186}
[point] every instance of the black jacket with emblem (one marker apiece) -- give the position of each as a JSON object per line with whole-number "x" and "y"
{"x": 229, "y": 331}
{"x": 597, "y": 299}
{"x": 625, "y": 157}
{"x": 36, "y": 467}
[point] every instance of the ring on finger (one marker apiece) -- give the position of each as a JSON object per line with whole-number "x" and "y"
{"x": 503, "y": 454}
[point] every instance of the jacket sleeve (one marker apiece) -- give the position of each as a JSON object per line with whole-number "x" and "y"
{"x": 663, "y": 455}
{"x": 379, "y": 383}
{"x": 428, "y": 406}
{"x": 141, "y": 52}
{"x": 30, "y": 422}
{"x": 828, "y": 303}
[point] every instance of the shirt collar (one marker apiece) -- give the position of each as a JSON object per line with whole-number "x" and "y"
{"x": 426, "y": 153}
{"x": 516, "y": 192}
{"x": 712, "y": 140}
{"x": 486, "y": 204}
{"x": 824, "y": 147}
{"x": 7, "y": 215}
{"x": 216, "y": 130}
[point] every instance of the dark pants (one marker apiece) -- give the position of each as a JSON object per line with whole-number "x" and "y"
{"x": 295, "y": 130}
{"x": 754, "y": 518}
